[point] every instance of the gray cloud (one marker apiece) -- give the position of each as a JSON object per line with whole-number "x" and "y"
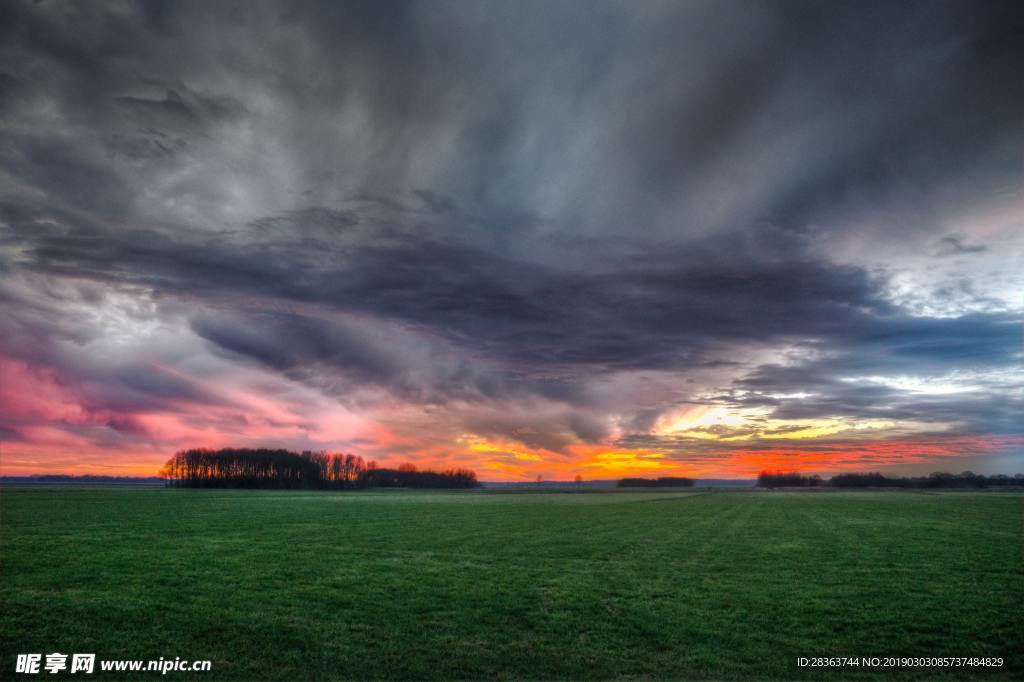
{"x": 499, "y": 203}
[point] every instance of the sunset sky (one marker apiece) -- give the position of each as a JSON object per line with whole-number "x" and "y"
{"x": 530, "y": 238}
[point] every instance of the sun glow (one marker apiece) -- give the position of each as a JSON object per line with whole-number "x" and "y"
{"x": 716, "y": 423}
{"x": 482, "y": 445}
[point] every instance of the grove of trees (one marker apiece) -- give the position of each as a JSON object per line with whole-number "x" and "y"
{"x": 266, "y": 468}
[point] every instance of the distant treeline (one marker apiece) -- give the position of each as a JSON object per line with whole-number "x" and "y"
{"x": 80, "y": 479}
{"x": 264, "y": 468}
{"x": 404, "y": 477}
{"x": 786, "y": 479}
{"x": 664, "y": 482}
{"x": 967, "y": 479}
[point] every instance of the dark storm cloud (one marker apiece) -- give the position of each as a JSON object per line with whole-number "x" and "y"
{"x": 661, "y": 310}
{"x": 673, "y": 98}
{"x": 336, "y": 354}
{"x": 460, "y": 201}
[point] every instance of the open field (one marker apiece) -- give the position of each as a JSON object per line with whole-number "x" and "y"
{"x": 287, "y": 585}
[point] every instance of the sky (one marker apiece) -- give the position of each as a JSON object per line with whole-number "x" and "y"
{"x": 548, "y": 238}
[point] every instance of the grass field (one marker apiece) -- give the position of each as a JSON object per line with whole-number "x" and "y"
{"x": 287, "y": 585}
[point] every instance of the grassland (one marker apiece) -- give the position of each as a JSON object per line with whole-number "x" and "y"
{"x": 286, "y": 585}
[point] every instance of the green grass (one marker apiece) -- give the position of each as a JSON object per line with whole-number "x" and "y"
{"x": 286, "y": 585}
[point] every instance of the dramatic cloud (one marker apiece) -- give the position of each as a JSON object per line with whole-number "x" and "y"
{"x": 530, "y": 238}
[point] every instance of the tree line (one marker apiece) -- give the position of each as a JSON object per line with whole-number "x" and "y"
{"x": 268, "y": 468}
{"x": 967, "y": 479}
{"x": 786, "y": 479}
{"x": 663, "y": 482}
{"x": 407, "y": 476}
{"x": 939, "y": 479}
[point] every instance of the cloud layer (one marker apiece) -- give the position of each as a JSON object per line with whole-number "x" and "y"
{"x": 538, "y": 238}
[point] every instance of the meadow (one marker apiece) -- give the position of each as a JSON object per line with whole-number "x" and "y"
{"x": 489, "y": 585}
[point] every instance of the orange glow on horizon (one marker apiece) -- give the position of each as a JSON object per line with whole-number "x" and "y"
{"x": 56, "y": 431}
{"x": 52, "y": 451}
